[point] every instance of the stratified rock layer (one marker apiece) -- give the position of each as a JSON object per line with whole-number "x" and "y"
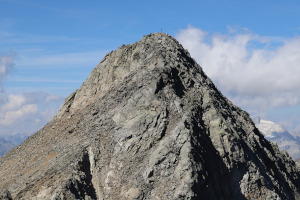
{"x": 149, "y": 124}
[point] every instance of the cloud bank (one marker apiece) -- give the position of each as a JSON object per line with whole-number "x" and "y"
{"x": 23, "y": 113}
{"x": 255, "y": 72}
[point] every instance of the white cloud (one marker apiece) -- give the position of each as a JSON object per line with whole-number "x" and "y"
{"x": 14, "y": 102}
{"x": 256, "y": 72}
{"x": 23, "y": 112}
{"x": 27, "y": 112}
{"x": 50, "y": 98}
{"x": 12, "y": 116}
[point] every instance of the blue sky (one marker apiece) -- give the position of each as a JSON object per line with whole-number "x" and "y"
{"x": 250, "y": 49}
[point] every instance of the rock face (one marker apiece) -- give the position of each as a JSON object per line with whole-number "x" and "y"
{"x": 149, "y": 124}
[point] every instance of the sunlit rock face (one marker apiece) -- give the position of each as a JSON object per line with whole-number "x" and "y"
{"x": 148, "y": 124}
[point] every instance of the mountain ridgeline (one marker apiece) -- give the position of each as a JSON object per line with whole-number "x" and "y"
{"x": 148, "y": 124}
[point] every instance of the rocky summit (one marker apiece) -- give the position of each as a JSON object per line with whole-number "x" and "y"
{"x": 148, "y": 124}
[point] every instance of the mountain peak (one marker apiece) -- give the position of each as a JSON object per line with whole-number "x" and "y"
{"x": 285, "y": 140}
{"x": 149, "y": 124}
{"x": 269, "y": 127}
{"x": 155, "y": 52}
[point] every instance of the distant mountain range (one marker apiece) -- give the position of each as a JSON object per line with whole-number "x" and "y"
{"x": 286, "y": 140}
{"x": 8, "y": 142}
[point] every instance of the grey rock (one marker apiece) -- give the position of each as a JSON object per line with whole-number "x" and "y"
{"x": 5, "y": 195}
{"x": 298, "y": 163}
{"x": 149, "y": 124}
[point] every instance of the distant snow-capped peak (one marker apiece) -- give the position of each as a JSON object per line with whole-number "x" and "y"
{"x": 285, "y": 140}
{"x": 268, "y": 128}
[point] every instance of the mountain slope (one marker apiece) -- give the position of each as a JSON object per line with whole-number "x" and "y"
{"x": 149, "y": 124}
{"x": 283, "y": 138}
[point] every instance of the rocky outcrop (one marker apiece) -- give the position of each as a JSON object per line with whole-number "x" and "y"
{"x": 5, "y": 195}
{"x": 149, "y": 124}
